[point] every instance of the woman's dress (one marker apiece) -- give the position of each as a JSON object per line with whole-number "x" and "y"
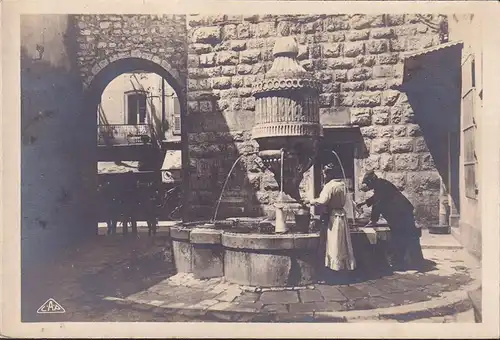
{"x": 339, "y": 254}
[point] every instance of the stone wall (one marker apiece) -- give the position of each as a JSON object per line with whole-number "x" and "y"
{"x": 359, "y": 60}
{"x": 59, "y": 172}
{"x": 103, "y": 39}
{"x": 57, "y": 142}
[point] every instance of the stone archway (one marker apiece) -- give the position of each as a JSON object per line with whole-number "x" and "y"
{"x": 105, "y": 70}
{"x": 123, "y": 62}
{"x": 150, "y": 60}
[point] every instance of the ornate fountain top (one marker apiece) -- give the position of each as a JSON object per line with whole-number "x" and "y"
{"x": 286, "y": 46}
{"x": 286, "y": 73}
{"x": 287, "y": 126}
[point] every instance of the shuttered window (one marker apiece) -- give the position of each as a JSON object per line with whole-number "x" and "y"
{"x": 469, "y": 128}
{"x": 176, "y": 117}
{"x": 136, "y": 108}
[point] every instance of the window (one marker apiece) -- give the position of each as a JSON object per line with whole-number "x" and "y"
{"x": 136, "y": 108}
{"x": 176, "y": 117}
{"x": 469, "y": 129}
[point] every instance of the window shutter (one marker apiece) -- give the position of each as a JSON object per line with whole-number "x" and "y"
{"x": 142, "y": 98}
{"x": 469, "y": 128}
{"x": 176, "y": 117}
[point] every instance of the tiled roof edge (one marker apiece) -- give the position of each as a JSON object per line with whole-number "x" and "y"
{"x": 432, "y": 49}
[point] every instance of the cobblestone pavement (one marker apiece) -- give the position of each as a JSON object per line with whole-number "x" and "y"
{"x": 129, "y": 279}
{"x": 183, "y": 292}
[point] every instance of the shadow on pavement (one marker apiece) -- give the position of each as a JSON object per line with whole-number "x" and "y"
{"x": 367, "y": 273}
{"x": 129, "y": 276}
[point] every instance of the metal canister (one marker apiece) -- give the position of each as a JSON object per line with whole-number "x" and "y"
{"x": 280, "y": 226}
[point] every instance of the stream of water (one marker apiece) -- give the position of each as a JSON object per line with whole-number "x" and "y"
{"x": 354, "y": 209}
{"x": 224, "y": 186}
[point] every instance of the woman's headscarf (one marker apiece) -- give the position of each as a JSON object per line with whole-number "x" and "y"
{"x": 329, "y": 167}
{"x": 329, "y": 171}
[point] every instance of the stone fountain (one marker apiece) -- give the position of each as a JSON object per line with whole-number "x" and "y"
{"x": 288, "y": 130}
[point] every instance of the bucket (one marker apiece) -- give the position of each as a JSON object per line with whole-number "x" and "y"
{"x": 302, "y": 220}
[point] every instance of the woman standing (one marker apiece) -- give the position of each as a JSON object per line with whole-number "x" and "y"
{"x": 339, "y": 254}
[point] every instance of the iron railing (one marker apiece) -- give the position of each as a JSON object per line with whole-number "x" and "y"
{"x": 124, "y": 134}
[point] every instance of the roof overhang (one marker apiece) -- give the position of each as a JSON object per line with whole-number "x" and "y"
{"x": 436, "y": 56}
{"x": 432, "y": 80}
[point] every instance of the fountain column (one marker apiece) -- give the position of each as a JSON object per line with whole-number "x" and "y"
{"x": 287, "y": 118}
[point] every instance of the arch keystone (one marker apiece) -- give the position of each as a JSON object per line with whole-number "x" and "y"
{"x": 103, "y": 63}
{"x": 148, "y": 56}
{"x": 96, "y": 69}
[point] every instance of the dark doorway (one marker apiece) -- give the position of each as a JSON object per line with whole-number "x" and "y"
{"x": 345, "y": 152}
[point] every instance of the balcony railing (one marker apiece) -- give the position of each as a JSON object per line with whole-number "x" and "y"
{"x": 123, "y": 134}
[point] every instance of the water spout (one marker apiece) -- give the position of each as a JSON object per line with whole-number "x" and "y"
{"x": 225, "y": 182}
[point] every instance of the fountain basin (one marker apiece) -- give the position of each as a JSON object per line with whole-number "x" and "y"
{"x": 245, "y": 256}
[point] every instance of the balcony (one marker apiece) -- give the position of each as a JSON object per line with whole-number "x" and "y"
{"x": 124, "y": 134}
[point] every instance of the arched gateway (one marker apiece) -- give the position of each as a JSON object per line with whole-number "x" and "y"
{"x": 104, "y": 71}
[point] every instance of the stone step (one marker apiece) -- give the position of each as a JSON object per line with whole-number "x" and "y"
{"x": 446, "y": 313}
{"x": 438, "y": 241}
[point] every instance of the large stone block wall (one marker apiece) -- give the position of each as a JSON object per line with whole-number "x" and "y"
{"x": 359, "y": 60}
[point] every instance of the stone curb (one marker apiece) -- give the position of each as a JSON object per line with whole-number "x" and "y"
{"x": 449, "y": 303}
{"x": 450, "y": 247}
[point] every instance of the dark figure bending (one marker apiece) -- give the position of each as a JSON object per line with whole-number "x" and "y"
{"x": 388, "y": 201}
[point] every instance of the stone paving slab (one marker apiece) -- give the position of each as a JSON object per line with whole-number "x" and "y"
{"x": 401, "y": 296}
{"x": 277, "y": 308}
{"x": 310, "y": 295}
{"x": 284, "y": 297}
{"x": 330, "y": 293}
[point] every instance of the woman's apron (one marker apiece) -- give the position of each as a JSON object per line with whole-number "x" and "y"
{"x": 339, "y": 253}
